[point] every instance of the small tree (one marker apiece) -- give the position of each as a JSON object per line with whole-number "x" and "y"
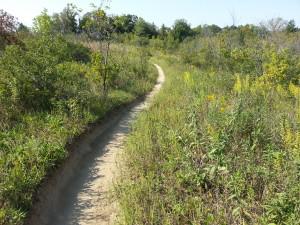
{"x": 181, "y": 30}
{"x": 163, "y": 32}
{"x": 43, "y": 23}
{"x": 291, "y": 27}
{"x": 145, "y": 29}
{"x": 8, "y": 26}
{"x": 125, "y": 23}
{"x": 22, "y": 28}
{"x": 99, "y": 27}
{"x": 210, "y": 30}
{"x": 66, "y": 21}
{"x": 275, "y": 25}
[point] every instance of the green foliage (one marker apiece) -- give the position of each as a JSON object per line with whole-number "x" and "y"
{"x": 8, "y": 27}
{"x": 49, "y": 92}
{"x": 281, "y": 67}
{"x": 144, "y": 29}
{"x": 97, "y": 25}
{"x": 220, "y": 144}
{"x": 61, "y": 23}
{"x": 72, "y": 89}
{"x": 125, "y": 23}
{"x": 181, "y": 30}
{"x": 43, "y": 23}
{"x": 207, "y": 30}
{"x": 66, "y": 21}
{"x": 79, "y": 53}
{"x": 28, "y": 77}
{"x": 291, "y": 27}
{"x": 31, "y": 73}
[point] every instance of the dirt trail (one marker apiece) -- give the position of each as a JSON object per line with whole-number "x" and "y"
{"x": 78, "y": 193}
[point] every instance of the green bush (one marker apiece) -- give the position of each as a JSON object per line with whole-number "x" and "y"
{"x": 50, "y": 90}
{"x": 29, "y": 76}
{"x": 72, "y": 89}
{"x": 79, "y": 53}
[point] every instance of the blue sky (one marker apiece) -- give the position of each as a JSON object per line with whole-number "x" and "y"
{"x": 196, "y": 12}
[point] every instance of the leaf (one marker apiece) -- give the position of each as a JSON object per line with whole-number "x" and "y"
{"x": 236, "y": 211}
{"x": 247, "y": 214}
{"x": 231, "y": 197}
{"x": 212, "y": 171}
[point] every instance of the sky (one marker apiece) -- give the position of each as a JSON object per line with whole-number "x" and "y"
{"x": 196, "y": 12}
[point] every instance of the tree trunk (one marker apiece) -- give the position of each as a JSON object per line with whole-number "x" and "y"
{"x": 105, "y": 75}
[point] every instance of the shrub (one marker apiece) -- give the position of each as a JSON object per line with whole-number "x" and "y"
{"x": 30, "y": 73}
{"x": 50, "y": 89}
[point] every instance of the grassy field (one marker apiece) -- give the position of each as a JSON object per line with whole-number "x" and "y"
{"x": 214, "y": 148}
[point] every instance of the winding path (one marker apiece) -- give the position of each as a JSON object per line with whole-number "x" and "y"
{"x": 79, "y": 193}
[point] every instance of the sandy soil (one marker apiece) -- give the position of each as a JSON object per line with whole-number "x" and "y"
{"x": 78, "y": 193}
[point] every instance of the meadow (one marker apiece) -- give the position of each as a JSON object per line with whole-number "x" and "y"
{"x": 221, "y": 142}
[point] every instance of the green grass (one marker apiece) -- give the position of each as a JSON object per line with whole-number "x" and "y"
{"x": 210, "y": 152}
{"x": 34, "y": 143}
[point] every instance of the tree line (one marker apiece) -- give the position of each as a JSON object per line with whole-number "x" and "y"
{"x": 69, "y": 21}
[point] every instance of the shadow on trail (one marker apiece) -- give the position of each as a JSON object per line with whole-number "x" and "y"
{"x": 78, "y": 192}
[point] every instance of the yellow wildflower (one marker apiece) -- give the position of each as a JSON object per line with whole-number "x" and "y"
{"x": 188, "y": 79}
{"x": 238, "y": 85}
{"x": 295, "y": 90}
{"x": 211, "y": 98}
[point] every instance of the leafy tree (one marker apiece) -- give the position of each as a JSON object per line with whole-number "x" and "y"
{"x": 291, "y": 27}
{"x": 213, "y": 29}
{"x": 171, "y": 43}
{"x": 66, "y": 21}
{"x": 43, "y": 23}
{"x": 181, "y": 30}
{"x": 57, "y": 24}
{"x": 23, "y": 32}
{"x": 69, "y": 18}
{"x": 145, "y": 29}
{"x": 23, "y": 28}
{"x": 125, "y": 23}
{"x": 163, "y": 32}
{"x": 198, "y": 30}
{"x": 98, "y": 26}
{"x": 207, "y": 30}
{"x": 8, "y": 27}
{"x": 83, "y": 22}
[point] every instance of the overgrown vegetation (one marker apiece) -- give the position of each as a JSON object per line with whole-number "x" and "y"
{"x": 221, "y": 143}
{"x": 50, "y": 90}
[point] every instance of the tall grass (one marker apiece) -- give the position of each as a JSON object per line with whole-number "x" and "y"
{"x": 213, "y": 149}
